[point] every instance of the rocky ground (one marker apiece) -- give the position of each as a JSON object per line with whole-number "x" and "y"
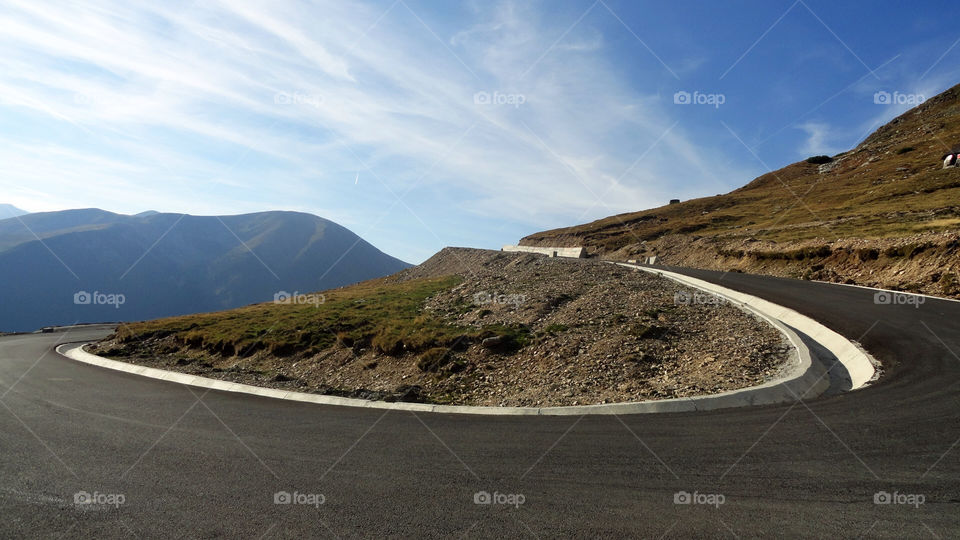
{"x": 591, "y": 332}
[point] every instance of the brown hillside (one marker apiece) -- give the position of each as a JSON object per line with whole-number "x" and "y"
{"x": 887, "y": 194}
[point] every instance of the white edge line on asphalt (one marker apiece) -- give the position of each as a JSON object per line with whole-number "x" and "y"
{"x": 806, "y": 373}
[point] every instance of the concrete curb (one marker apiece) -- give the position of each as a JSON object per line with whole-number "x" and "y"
{"x": 771, "y": 392}
{"x": 804, "y": 376}
{"x": 857, "y": 362}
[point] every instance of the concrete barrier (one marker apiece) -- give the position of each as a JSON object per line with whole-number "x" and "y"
{"x": 570, "y": 252}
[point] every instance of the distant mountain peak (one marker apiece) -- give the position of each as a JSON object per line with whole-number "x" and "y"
{"x": 8, "y": 211}
{"x": 169, "y": 264}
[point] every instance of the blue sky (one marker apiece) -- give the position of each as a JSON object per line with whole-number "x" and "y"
{"x": 424, "y": 124}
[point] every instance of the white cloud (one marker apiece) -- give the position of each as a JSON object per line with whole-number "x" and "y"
{"x": 820, "y": 139}
{"x": 180, "y": 106}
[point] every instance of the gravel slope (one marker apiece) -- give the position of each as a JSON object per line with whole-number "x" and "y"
{"x": 591, "y": 332}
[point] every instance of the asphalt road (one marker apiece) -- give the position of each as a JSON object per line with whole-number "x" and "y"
{"x": 187, "y": 463}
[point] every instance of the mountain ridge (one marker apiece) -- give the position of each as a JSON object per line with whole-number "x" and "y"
{"x": 9, "y": 211}
{"x": 888, "y": 193}
{"x": 168, "y": 264}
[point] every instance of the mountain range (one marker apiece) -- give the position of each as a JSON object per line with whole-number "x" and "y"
{"x": 90, "y": 265}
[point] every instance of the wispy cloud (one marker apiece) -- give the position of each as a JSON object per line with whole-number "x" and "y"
{"x": 504, "y": 117}
{"x": 819, "y": 139}
{"x": 166, "y": 96}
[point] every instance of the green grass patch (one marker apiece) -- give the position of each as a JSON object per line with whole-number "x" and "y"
{"x": 555, "y": 328}
{"x": 387, "y": 317}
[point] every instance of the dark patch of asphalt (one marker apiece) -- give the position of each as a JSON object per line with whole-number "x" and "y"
{"x": 202, "y": 464}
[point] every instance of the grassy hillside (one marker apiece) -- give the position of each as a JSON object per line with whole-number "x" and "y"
{"x": 386, "y": 317}
{"x": 890, "y": 185}
{"x": 884, "y": 213}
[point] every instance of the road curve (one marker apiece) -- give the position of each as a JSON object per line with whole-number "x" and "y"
{"x": 197, "y": 464}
